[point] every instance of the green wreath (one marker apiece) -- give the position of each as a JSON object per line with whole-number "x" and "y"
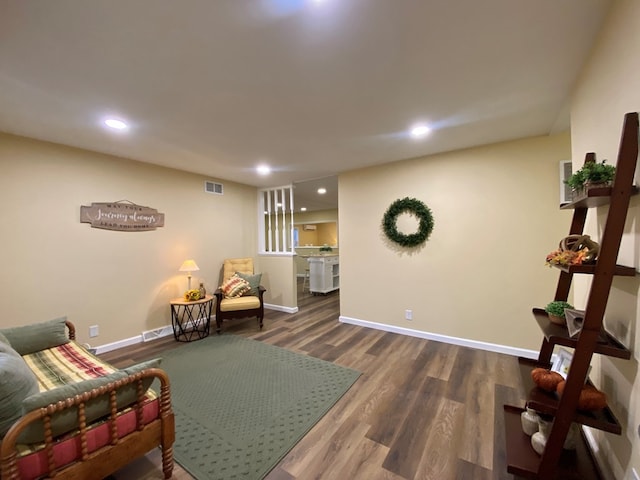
{"x": 415, "y": 207}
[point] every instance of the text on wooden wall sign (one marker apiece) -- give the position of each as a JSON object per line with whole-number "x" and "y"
{"x": 120, "y": 216}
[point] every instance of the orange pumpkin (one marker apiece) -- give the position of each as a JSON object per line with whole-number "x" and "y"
{"x": 546, "y": 379}
{"x": 590, "y": 397}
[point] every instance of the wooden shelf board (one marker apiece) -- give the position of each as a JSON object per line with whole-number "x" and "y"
{"x": 559, "y": 335}
{"x": 522, "y": 459}
{"x": 620, "y": 270}
{"x": 594, "y": 197}
{"x": 547, "y": 403}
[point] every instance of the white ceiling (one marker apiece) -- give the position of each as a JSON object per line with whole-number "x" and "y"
{"x": 311, "y": 87}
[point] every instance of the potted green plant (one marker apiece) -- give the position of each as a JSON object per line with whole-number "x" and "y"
{"x": 555, "y": 310}
{"x": 598, "y": 173}
{"x": 592, "y": 174}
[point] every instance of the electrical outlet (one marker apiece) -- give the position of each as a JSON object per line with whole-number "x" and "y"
{"x": 94, "y": 331}
{"x": 408, "y": 314}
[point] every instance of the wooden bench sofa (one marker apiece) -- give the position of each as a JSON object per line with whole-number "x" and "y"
{"x": 65, "y": 413}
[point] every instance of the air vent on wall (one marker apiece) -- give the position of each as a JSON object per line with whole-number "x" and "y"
{"x": 565, "y": 173}
{"x": 308, "y": 227}
{"x": 212, "y": 187}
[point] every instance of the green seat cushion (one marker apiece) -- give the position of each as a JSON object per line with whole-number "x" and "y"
{"x": 38, "y": 336}
{"x": 96, "y": 408}
{"x": 17, "y": 382}
{"x": 253, "y": 281}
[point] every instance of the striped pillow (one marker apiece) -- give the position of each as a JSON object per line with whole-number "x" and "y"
{"x": 235, "y": 287}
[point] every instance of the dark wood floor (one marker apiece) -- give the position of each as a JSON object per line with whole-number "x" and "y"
{"x": 420, "y": 410}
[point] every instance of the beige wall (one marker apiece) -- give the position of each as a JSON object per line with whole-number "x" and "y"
{"x": 324, "y": 234}
{"x": 482, "y": 270}
{"x": 608, "y": 88}
{"x": 53, "y": 265}
{"x": 318, "y": 216}
{"x": 279, "y": 280}
{"x": 326, "y": 222}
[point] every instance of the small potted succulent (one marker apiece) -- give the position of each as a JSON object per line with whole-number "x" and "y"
{"x": 555, "y": 310}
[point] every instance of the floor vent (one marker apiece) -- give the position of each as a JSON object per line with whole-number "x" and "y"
{"x": 157, "y": 333}
{"x": 213, "y": 187}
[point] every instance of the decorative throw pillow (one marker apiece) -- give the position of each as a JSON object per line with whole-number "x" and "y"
{"x": 253, "y": 280}
{"x": 38, "y": 336}
{"x": 17, "y": 382}
{"x": 98, "y": 407}
{"x": 235, "y": 287}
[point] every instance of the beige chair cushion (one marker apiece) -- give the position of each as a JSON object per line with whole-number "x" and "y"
{"x": 233, "y": 265}
{"x": 240, "y": 303}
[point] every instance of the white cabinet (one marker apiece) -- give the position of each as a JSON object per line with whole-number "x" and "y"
{"x": 324, "y": 273}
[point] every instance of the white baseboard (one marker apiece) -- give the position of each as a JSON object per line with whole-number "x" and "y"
{"x": 143, "y": 337}
{"x": 491, "y": 347}
{"x": 166, "y": 331}
{"x": 601, "y": 461}
{"x": 280, "y": 308}
{"x": 119, "y": 344}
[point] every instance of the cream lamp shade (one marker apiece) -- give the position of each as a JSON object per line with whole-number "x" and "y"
{"x": 189, "y": 266}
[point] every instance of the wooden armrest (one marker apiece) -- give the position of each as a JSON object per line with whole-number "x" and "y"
{"x": 72, "y": 329}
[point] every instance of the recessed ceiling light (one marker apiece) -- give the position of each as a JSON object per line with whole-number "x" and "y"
{"x": 420, "y": 131}
{"x": 322, "y": 191}
{"x": 303, "y": 209}
{"x": 115, "y": 124}
{"x": 263, "y": 169}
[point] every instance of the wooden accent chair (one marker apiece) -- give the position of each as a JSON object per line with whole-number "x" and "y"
{"x": 248, "y": 305}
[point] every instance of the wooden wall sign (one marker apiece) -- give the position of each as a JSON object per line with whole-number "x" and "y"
{"x": 122, "y": 216}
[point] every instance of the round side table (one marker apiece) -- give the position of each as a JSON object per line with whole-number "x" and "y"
{"x": 191, "y": 320}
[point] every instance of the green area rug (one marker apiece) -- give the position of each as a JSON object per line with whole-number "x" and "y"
{"x": 241, "y": 405}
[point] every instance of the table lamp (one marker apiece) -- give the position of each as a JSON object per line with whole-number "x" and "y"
{"x": 189, "y": 266}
